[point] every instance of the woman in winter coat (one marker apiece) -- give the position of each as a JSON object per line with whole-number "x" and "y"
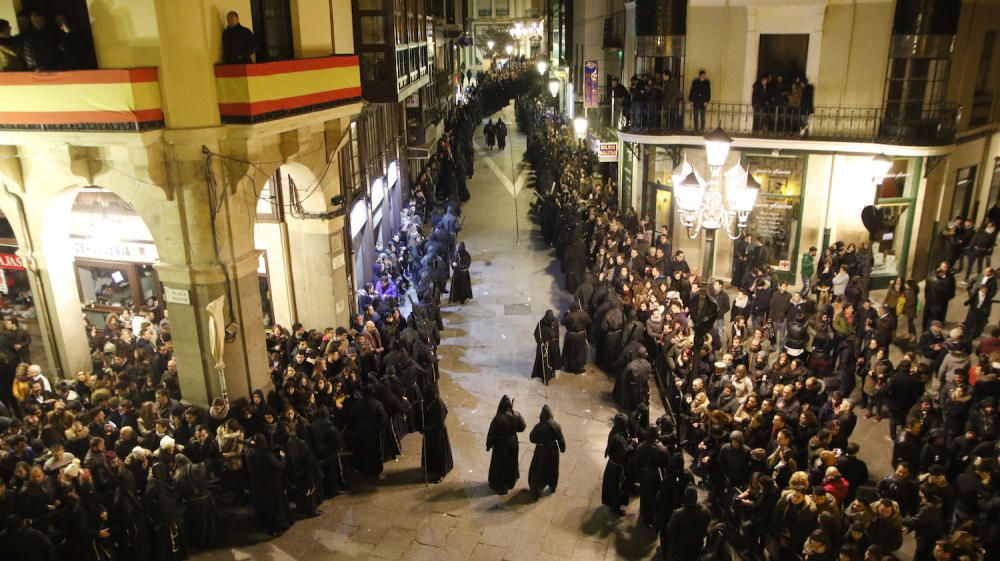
{"x": 549, "y": 443}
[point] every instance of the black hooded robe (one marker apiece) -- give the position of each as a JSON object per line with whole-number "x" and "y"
{"x": 200, "y": 517}
{"x": 327, "y": 443}
{"x": 305, "y": 476}
{"x": 461, "y": 282}
{"x": 502, "y": 440}
{"x": 547, "y": 334}
{"x": 548, "y": 439}
{"x": 437, "y": 459}
{"x": 163, "y": 507}
{"x": 619, "y": 449}
{"x": 576, "y": 349}
{"x": 266, "y": 480}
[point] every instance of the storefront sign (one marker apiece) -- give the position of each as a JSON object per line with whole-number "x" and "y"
{"x": 11, "y": 261}
{"x": 118, "y": 251}
{"x": 591, "y": 89}
{"x": 176, "y": 295}
{"x": 607, "y": 152}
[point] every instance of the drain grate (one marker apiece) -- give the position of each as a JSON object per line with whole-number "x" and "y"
{"x": 516, "y": 309}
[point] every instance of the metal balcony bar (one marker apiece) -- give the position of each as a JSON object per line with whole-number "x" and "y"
{"x": 931, "y": 126}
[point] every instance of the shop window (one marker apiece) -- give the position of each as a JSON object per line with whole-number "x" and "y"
{"x": 272, "y": 25}
{"x": 16, "y": 299}
{"x": 267, "y": 306}
{"x": 110, "y": 286}
{"x": 894, "y": 198}
{"x": 776, "y": 216}
{"x": 373, "y": 30}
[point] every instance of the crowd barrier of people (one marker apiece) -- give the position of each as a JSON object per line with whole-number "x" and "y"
{"x": 760, "y": 388}
{"x": 115, "y": 465}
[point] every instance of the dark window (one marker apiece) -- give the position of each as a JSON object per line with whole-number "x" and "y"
{"x": 783, "y": 54}
{"x": 272, "y": 26}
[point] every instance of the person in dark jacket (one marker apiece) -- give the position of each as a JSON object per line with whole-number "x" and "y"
{"x": 927, "y": 524}
{"x": 700, "y": 96}
{"x": 502, "y": 441}
{"x": 902, "y": 392}
{"x": 40, "y": 45}
{"x": 938, "y": 292}
{"x": 238, "y": 42}
{"x": 549, "y": 443}
{"x": 684, "y": 536}
{"x": 437, "y": 459}
{"x": 369, "y": 442}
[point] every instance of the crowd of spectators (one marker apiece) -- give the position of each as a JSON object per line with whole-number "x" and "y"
{"x": 761, "y": 386}
{"x": 46, "y": 42}
{"x": 115, "y": 464}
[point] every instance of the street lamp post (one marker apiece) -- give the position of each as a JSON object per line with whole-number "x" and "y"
{"x": 542, "y": 67}
{"x": 716, "y": 204}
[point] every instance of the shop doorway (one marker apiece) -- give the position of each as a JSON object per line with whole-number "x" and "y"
{"x": 17, "y": 301}
{"x": 362, "y": 245}
{"x": 783, "y": 53}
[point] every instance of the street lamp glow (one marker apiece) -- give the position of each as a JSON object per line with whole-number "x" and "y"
{"x": 554, "y": 87}
{"x": 490, "y": 44}
{"x": 881, "y": 165}
{"x": 580, "y": 127}
{"x": 509, "y": 49}
{"x": 717, "y": 145}
{"x": 542, "y": 67}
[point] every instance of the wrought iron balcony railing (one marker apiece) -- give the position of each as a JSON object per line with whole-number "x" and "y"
{"x": 931, "y": 126}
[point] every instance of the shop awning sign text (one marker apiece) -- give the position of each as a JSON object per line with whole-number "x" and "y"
{"x": 607, "y": 152}
{"x": 119, "y": 251}
{"x": 11, "y": 261}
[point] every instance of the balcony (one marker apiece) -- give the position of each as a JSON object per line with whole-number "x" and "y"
{"x": 81, "y": 100}
{"x": 935, "y": 126}
{"x": 254, "y": 93}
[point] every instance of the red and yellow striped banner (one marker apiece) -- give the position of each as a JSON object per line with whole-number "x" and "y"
{"x": 250, "y": 93}
{"x": 96, "y": 100}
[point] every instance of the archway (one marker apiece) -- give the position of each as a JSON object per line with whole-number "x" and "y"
{"x": 17, "y": 297}
{"x": 296, "y": 238}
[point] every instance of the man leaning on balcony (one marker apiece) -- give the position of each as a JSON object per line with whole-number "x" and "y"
{"x": 237, "y": 41}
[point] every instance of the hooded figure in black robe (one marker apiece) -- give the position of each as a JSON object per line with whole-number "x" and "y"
{"x": 502, "y": 440}
{"x": 547, "y": 355}
{"x": 371, "y": 422}
{"x": 650, "y": 458}
{"x": 326, "y": 442}
{"x": 305, "y": 477}
{"x": 461, "y": 282}
{"x": 200, "y": 517}
{"x": 163, "y": 507}
{"x": 618, "y": 452}
{"x": 548, "y": 439}
{"x": 270, "y": 502}
{"x": 576, "y": 349}
{"x": 437, "y": 459}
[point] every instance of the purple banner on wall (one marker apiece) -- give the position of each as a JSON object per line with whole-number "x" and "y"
{"x": 591, "y": 89}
